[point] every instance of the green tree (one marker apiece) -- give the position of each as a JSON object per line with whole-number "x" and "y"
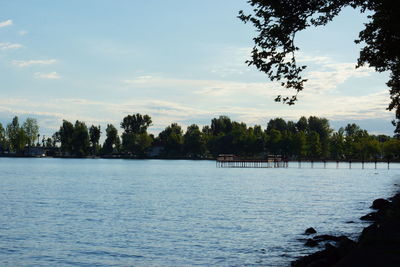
{"x": 300, "y": 144}
{"x": 16, "y": 136}
{"x": 277, "y": 124}
{"x": 255, "y": 140}
{"x": 136, "y": 143}
{"x": 136, "y": 123}
{"x": 302, "y": 124}
{"x": 322, "y": 127}
{"x": 3, "y": 139}
{"x": 65, "y": 135}
{"x": 314, "y": 148}
{"x": 222, "y": 125}
{"x": 31, "y": 129}
{"x": 94, "y": 137}
{"x": 112, "y": 143}
{"x": 80, "y": 140}
{"x": 338, "y": 145}
{"x": 194, "y": 143}
{"x": 172, "y": 139}
{"x": 367, "y": 148}
{"x": 278, "y": 21}
{"x": 135, "y": 139}
{"x": 274, "y": 141}
{"x": 391, "y": 149}
{"x": 353, "y": 136}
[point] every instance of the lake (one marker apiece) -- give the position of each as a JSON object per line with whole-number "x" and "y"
{"x": 99, "y": 212}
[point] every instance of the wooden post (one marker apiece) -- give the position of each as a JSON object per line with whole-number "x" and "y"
{"x": 337, "y": 164}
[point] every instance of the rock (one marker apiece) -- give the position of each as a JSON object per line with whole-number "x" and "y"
{"x": 326, "y": 257}
{"x": 345, "y": 246}
{"x": 380, "y": 203}
{"x": 311, "y": 243}
{"x": 373, "y": 216}
{"x": 350, "y": 222}
{"x": 310, "y": 231}
{"x": 326, "y": 238}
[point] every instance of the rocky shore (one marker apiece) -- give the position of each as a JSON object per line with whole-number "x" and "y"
{"x": 378, "y": 244}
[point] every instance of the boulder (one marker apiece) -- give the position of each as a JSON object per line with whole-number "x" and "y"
{"x": 310, "y": 231}
{"x": 373, "y": 216}
{"x": 380, "y": 203}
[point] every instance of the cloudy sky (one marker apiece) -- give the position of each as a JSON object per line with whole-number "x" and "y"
{"x": 178, "y": 61}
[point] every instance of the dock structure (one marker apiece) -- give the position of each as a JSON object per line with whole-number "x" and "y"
{"x": 231, "y": 161}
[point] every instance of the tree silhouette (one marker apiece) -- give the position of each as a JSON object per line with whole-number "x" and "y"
{"x": 278, "y": 21}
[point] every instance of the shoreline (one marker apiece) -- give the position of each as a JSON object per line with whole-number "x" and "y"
{"x": 377, "y": 245}
{"x": 196, "y": 158}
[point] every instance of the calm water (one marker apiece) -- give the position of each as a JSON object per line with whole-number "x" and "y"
{"x": 85, "y": 212}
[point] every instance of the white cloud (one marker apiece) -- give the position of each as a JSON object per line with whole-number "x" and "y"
{"x": 333, "y": 74}
{"x": 26, "y": 63}
{"x": 22, "y": 32}
{"x": 231, "y": 62}
{"x": 210, "y": 88}
{"x": 8, "y": 46}
{"x": 51, "y": 75}
{"x": 164, "y": 112}
{"x": 6, "y": 23}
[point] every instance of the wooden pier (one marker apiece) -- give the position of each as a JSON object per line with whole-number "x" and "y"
{"x": 231, "y": 161}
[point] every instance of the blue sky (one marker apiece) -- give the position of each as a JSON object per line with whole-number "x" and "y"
{"x": 178, "y": 61}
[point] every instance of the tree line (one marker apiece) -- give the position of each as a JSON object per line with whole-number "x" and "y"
{"x": 308, "y": 138}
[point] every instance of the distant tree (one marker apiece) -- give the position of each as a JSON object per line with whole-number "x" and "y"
{"x": 172, "y": 139}
{"x": 338, "y": 145}
{"x": 3, "y": 139}
{"x": 135, "y": 139}
{"x": 31, "y": 129}
{"x": 16, "y": 136}
{"x": 56, "y": 138}
{"x": 112, "y": 143}
{"x": 136, "y": 143}
{"x": 314, "y": 145}
{"x": 49, "y": 142}
{"x": 322, "y": 127}
{"x": 302, "y": 124}
{"x": 367, "y": 148}
{"x": 136, "y": 123}
{"x": 277, "y": 124}
{"x": 351, "y": 130}
{"x": 221, "y": 125}
{"x": 353, "y": 135}
{"x": 274, "y": 142}
{"x": 255, "y": 140}
{"x": 291, "y": 127}
{"x": 94, "y": 137}
{"x": 194, "y": 143}
{"x": 80, "y": 140}
{"x": 300, "y": 144}
{"x": 65, "y": 135}
{"x": 391, "y": 149}
{"x": 278, "y": 21}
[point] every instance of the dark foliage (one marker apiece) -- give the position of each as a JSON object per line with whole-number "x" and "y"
{"x": 278, "y": 21}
